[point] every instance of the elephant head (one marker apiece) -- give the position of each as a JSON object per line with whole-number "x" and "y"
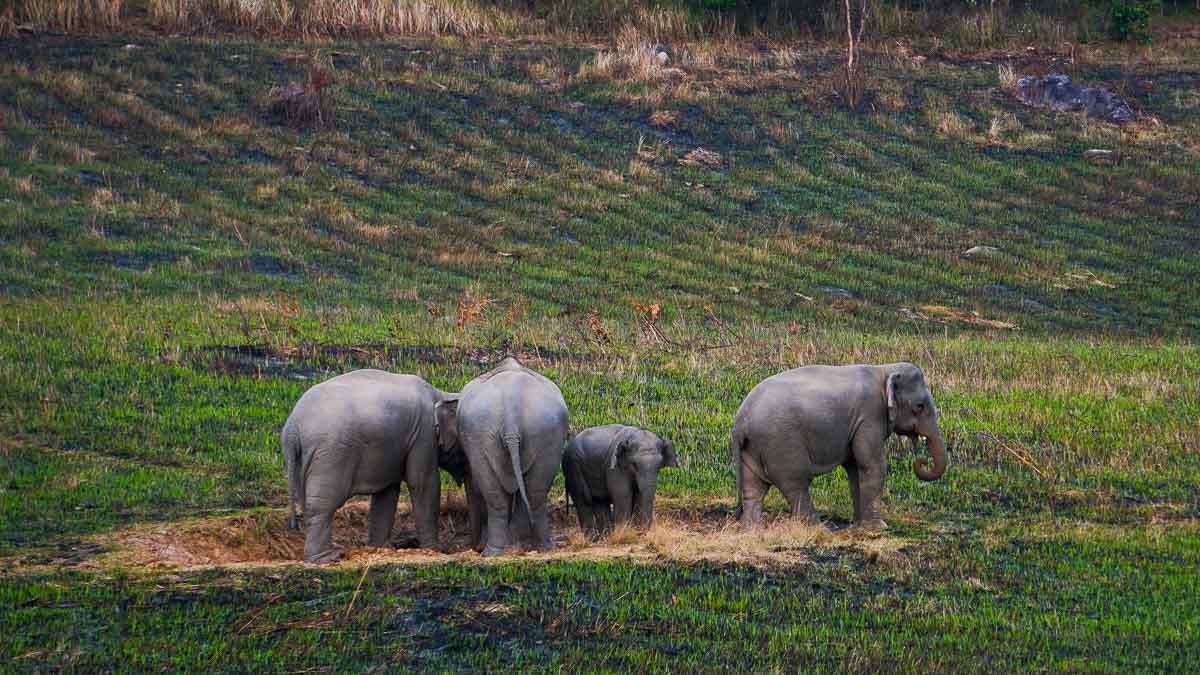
{"x": 445, "y": 424}
{"x": 911, "y": 413}
{"x": 640, "y": 454}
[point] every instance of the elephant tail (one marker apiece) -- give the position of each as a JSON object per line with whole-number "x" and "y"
{"x": 739, "y": 441}
{"x": 512, "y": 441}
{"x": 293, "y": 461}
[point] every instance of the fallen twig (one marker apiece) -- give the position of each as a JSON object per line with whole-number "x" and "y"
{"x": 354, "y": 597}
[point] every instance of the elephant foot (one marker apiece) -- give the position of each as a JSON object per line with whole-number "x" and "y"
{"x": 325, "y": 557}
{"x": 492, "y": 551}
{"x": 874, "y": 525}
{"x": 546, "y": 546}
{"x": 407, "y": 542}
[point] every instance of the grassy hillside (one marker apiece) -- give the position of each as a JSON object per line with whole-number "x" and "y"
{"x": 176, "y": 269}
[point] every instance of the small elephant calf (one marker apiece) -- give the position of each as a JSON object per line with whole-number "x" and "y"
{"x": 612, "y": 473}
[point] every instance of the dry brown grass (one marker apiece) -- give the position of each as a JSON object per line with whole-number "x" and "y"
{"x": 71, "y": 16}
{"x": 103, "y": 197}
{"x": 950, "y": 123}
{"x": 327, "y": 18}
{"x": 683, "y": 532}
{"x": 662, "y": 119}
{"x": 634, "y": 56}
{"x": 375, "y": 233}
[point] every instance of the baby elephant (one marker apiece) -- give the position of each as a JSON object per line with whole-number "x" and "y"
{"x": 365, "y": 432}
{"x": 612, "y": 472}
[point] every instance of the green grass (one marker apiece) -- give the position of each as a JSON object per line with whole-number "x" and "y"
{"x": 175, "y": 271}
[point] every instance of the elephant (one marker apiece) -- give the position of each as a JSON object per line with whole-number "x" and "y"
{"x": 805, "y": 422}
{"x": 512, "y": 423}
{"x": 612, "y": 473}
{"x": 364, "y": 432}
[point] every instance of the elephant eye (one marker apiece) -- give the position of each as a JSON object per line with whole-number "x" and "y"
{"x": 919, "y": 408}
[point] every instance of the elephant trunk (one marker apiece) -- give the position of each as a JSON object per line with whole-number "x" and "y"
{"x": 937, "y": 450}
{"x": 645, "y": 501}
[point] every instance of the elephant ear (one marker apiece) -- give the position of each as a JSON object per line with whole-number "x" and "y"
{"x": 891, "y": 398}
{"x": 619, "y": 446}
{"x": 670, "y": 457}
{"x": 445, "y": 423}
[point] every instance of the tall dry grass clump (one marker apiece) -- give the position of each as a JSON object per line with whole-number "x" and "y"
{"x": 633, "y": 57}
{"x": 8, "y": 22}
{"x": 69, "y": 16}
{"x": 659, "y": 21}
{"x": 327, "y": 18}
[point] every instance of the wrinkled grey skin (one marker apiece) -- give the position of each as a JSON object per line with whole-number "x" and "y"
{"x": 1059, "y": 94}
{"x": 612, "y": 474}
{"x": 808, "y": 421}
{"x": 365, "y": 432}
{"x": 512, "y": 423}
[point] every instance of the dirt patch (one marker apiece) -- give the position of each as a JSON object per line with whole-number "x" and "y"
{"x": 682, "y": 533}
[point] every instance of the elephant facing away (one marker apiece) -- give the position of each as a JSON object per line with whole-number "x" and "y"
{"x": 365, "y": 432}
{"x": 612, "y": 474}
{"x": 808, "y": 421}
{"x": 512, "y": 423}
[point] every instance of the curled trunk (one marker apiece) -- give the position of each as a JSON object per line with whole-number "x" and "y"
{"x": 937, "y": 450}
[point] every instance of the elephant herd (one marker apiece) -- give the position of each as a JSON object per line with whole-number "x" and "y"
{"x": 504, "y": 437}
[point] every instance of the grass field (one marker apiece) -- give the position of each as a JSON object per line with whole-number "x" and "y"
{"x": 176, "y": 270}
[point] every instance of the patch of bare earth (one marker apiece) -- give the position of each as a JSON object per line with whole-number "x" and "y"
{"x": 682, "y": 533}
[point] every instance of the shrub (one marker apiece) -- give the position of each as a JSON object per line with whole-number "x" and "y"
{"x": 305, "y": 104}
{"x": 1129, "y": 21}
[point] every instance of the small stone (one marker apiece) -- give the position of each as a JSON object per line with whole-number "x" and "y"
{"x": 1032, "y": 305}
{"x": 662, "y": 59}
{"x": 981, "y": 250}
{"x": 835, "y": 292}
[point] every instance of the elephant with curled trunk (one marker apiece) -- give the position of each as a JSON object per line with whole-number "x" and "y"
{"x": 512, "y": 423}
{"x": 808, "y": 421}
{"x": 365, "y": 432}
{"x": 612, "y": 473}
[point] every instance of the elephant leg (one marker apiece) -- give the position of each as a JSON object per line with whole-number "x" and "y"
{"x": 855, "y": 497}
{"x": 870, "y": 491}
{"x": 872, "y": 469}
{"x": 425, "y": 491}
{"x": 621, "y": 495}
{"x": 798, "y": 494}
{"x": 325, "y": 492}
{"x": 318, "y": 538}
{"x": 477, "y": 510}
{"x": 497, "y": 527}
{"x": 587, "y": 517}
{"x": 382, "y": 516}
{"x": 604, "y": 518}
{"x": 541, "y": 521}
{"x": 519, "y": 527}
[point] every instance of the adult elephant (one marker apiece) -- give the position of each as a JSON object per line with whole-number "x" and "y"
{"x": 365, "y": 432}
{"x": 808, "y": 421}
{"x": 512, "y": 423}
